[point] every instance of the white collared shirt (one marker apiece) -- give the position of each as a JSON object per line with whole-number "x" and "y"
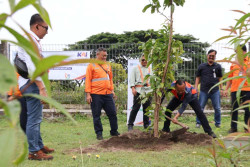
{"x": 26, "y": 58}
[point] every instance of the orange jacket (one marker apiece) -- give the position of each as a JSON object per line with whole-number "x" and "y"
{"x": 97, "y": 80}
{"x": 236, "y": 82}
{"x": 15, "y": 91}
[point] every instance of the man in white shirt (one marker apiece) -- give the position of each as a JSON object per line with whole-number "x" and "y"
{"x": 37, "y": 151}
{"x": 138, "y": 87}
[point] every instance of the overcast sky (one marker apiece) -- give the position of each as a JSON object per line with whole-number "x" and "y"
{"x": 75, "y": 20}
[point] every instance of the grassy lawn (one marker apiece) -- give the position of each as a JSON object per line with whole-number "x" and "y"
{"x": 62, "y": 135}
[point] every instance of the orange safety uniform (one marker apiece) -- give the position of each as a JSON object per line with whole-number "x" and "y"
{"x": 99, "y": 79}
{"x": 15, "y": 91}
{"x": 236, "y": 82}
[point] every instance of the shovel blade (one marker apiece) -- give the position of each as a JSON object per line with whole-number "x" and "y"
{"x": 178, "y": 132}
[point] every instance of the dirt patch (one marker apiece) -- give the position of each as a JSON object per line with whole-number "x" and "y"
{"x": 137, "y": 140}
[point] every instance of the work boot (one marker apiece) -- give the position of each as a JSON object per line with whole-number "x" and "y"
{"x": 99, "y": 137}
{"x": 47, "y": 150}
{"x": 232, "y": 130}
{"x": 130, "y": 127}
{"x": 212, "y": 134}
{"x": 115, "y": 134}
{"x": 39, "y": 155}
{"x": 165, "y": 130}
{"x": 217, "y": 125}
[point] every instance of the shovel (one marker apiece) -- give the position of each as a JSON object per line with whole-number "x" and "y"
{"x": 178, "y": 132}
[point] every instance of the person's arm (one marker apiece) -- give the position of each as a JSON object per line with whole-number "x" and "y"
{"x": 41, "y": 88}
{"x": 132, "y": 81}
{"x": 225, "y": 92}
{"x": 197, "y": 81}
{"x": 88, "y": 83}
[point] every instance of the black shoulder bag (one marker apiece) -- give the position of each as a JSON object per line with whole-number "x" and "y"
{"x": 21, "y": 67}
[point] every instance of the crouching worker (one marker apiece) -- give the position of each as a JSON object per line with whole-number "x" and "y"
{"x": 184, "y": 93}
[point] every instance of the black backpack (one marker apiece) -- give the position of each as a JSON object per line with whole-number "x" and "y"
{"x": 21, "y": 67}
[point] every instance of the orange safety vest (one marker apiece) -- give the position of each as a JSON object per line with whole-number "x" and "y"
{"x": 142, "y": 78}
{"x": 99, "y": 80}
{"x": 236, "y": 82}
{"x": 15, "y": 91}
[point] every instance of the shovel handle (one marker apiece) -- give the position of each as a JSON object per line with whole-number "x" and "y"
{"x": 181, "y": 124}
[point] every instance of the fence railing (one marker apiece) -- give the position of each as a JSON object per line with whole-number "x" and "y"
{"x": 72, "y": 91}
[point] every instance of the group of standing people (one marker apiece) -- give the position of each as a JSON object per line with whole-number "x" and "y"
{"x": 208, "y": 75}
{"x": 100, "y": 93}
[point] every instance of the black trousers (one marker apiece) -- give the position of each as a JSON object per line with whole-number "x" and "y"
{"x": 135, "y": 109}
{"x": 245, "y": 95}
{"x": 107, "y": 103}
{"x": 174, "y": 103}
{"x": 23, "y": 114}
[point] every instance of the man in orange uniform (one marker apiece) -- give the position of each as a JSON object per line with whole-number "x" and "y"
{"x": 100, "y": 92}
{"x": 245, "y": 91}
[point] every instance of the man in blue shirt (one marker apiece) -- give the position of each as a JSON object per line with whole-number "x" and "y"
{"x": 209, "y": 74}
{"x": 184, "y": 93}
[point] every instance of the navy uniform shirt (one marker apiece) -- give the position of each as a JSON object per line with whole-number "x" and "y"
{"x": 209, "y": 76}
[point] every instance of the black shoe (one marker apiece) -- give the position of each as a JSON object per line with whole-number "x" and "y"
{"x": 165, "y": 130}
{"x": 212, "y": 134}
{"x": 232, "y": 130}
{"x": 99, "y": 137}
{"x": 198, "y": 125}
{"x": 115, "y": 134}
{"x": 130, "y": 127}
{"x": 217, "y": 125}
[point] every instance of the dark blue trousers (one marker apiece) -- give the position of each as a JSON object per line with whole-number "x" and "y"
{"x": 107, "y": 103}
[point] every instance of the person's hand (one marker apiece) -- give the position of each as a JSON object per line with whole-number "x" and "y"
{"x": 224, "y": 93}
{"x": 134, "y": 92}
{"x": 10, "y": 98}
{"x": 43, "y": 93}
{"x": 114, "y": 96}
{"x": 89, "y": 98}
{"x": 175, "y": 121}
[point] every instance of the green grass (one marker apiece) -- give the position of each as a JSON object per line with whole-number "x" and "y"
{"x": 63, "y": 135}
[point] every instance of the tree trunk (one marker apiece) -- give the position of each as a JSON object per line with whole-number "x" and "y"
{"x": 157, "y": 97}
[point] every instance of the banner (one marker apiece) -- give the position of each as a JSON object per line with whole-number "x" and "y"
{"x": 139, "y": 118}
{"x": 68, "y": 72}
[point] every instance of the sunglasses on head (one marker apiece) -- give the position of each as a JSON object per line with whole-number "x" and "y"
{"x": 143, "y": 60}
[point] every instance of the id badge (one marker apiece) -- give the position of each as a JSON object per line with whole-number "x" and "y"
{"x": 214, "y": 73}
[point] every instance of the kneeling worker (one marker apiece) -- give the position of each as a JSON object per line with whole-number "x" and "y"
{"x": 184, "y": 93}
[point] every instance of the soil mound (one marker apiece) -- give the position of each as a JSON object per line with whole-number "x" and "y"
{"x": 138, "y": 141}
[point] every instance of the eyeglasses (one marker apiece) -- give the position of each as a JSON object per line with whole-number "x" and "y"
{"x": 46, "y": 27}
{"x": 143, "y": 60}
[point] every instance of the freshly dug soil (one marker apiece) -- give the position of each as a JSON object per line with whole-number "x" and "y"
{"x": 137, "y": 140}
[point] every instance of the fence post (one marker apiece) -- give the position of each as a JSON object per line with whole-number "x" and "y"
{"x": 4, "y": 48}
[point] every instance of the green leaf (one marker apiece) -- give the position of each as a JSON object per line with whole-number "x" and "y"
{"x": 146, "y": 8}
{"x": 7, "y": 146}
{"x": 225, "y": 155}
{"x": 23, "y": 3}
{"x": 22, "y": 41}
{"x": 23, "y": 155}
{"x": 3, "y": 18}
{"x": 12, "y": 5}
{"x": 7, "y": 75}
{"x": 224, "y": 37}
{"x": 11, "y": 110}
{"x": 242, "y": 19}
{"x": 46, "y": 83}
{"x": 53, "y": 103}
{"x": 239, "y": 90}
{"x": 46, "y": 63}
{"x": 43, "y": 13}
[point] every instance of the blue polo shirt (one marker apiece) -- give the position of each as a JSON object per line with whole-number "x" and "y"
{"x": 209, "y": 76}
